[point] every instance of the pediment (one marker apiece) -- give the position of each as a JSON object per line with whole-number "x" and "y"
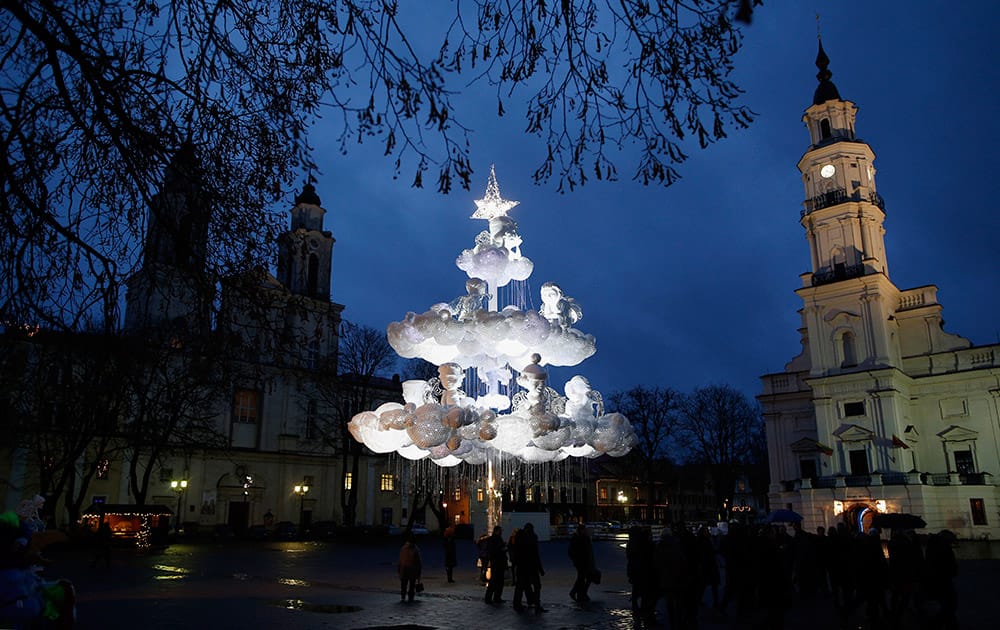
{"x": 853, "y": 433}
{"x": 805, "y": 445}
{"x": 839, "y": 316}
{"x": 956, "y": 433}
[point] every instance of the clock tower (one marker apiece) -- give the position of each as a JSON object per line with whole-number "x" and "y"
{"x": 848, "y": 296}
{"x": 843, "y": 213}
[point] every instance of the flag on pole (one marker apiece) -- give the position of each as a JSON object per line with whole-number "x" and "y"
{"x": 898, "y": 443}
{"x": 826, "y": 450}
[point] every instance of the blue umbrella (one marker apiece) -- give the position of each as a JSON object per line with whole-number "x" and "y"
{"x": 783, "y": 516}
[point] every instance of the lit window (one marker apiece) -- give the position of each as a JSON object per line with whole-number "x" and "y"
{"x": 603, "y": 493}
{"x": 978, "y": 511}
{"x": 348, "y": 481}
{"x": 529, "y": 495}
{"x": 458, "y": 494}
{"x": 245, "y": 406}
{"x": 480, "y": 495}
{"x": 388, "y": 483}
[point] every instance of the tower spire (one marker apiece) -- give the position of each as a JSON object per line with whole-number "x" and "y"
{"x": 826, "y": 91}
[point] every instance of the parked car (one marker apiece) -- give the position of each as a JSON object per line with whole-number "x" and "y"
{"x": 418, "y": 529}
{"x": 322, "y": 529}
{"x": 286, "y": 530}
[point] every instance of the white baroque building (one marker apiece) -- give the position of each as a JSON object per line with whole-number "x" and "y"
{"x": 883, "y": 411}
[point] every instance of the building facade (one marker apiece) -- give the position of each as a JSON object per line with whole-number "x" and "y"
{"x": 882, "y": 411}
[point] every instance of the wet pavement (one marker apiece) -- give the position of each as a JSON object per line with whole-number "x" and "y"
{"x": 353, "y": 586}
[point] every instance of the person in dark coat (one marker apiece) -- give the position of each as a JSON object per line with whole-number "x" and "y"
{"x": 482, "y": 556}
{"x": 450, "y": 553}
{"x": 581, "y": 554}
{"x": 940, "y": 570}
{"x": 102, "y": 549}
{"x": 496, "y": 551}
{"x": 708, "y": 566}
{"x": 410, "y": 567}
{"x": 873, "y": 575}
{"x": 529, "y": 569}
{"x": 512, "y": 556}
{"x": 641, "y": 571}
{"x": 672, "y": 570}
{"x": 906, "y": 565}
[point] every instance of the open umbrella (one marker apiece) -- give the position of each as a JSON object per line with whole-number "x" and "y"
{"x": 784, "y": 516}
{"x": 898, "y": 521}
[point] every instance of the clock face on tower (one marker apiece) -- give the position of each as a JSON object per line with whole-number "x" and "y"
{"x": 827, "y": 171}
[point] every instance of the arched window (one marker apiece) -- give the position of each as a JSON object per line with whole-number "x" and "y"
{"x": 824, "y": 129}
{"x": 847, "y": 350}
{"x": 312, "y": 279}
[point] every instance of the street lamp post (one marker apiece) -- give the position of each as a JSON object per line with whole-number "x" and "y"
{"x": 179, "y": 486}
{"x": 302, "y": 490}
{"x": 623, "y": 502}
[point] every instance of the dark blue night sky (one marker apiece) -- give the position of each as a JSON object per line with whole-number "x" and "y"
{"x": 694, "y": 284}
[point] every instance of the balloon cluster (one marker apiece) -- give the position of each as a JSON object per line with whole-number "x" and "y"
{"x": 542, "y": 426}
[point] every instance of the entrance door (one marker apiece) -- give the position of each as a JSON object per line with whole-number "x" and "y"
{"x": 239, "y": 516}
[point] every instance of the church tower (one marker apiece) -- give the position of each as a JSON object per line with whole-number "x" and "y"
{"x": 305, "y": 252}
{"x": 848, "y": 297}
{"x": 171, "y": 287}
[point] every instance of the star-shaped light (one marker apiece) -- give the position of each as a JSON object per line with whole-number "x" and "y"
{"x": 492, "y": 205}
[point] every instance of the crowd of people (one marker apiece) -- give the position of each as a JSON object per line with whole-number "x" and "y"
{"x": 753, "y": 571}
{"x": 766, "y": 567}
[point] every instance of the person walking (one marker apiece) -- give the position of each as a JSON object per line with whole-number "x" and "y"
{"x": 512, "y": 556}
{"x": 641, "y": 571}
{"x": 940, "y": 570}
{"x": 409, "y": 568}
{"x": 482, "y": 557}
{"x": 496, "y": 551}
{"x": 529, "y": 570}
{"x": 450, "y": 553}
{"x": 581, "y": 554}
{"x": 102, "y": 545}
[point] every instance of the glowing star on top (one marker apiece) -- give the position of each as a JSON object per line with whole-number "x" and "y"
{"x": 492, "y": 205}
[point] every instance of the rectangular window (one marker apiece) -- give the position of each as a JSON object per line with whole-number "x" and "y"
{"x": 978, "y": 511}
{"x": 480, "y": 495}
{"x": 529, "y": 494}
{"x": 388, "y": 483}
{"x": 854, "y": 408}
{"x": 807, "y": 466}
{"x": 387, "y": 516}
{"x": 859, "y": 462}
{"x": 602, "y": 493}
{"x": 963, "y": 462}
{"x": 311, "y": 431}
{"x": 458, "y": 494}
{"x": 348, "y": 481}
{"x": 245, "y": 406}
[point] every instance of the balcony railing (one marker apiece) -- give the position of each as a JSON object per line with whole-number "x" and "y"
{"x": 838, "y": 273}
{"x": 839, "y": 196}
{"x": 892, "y": 479}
